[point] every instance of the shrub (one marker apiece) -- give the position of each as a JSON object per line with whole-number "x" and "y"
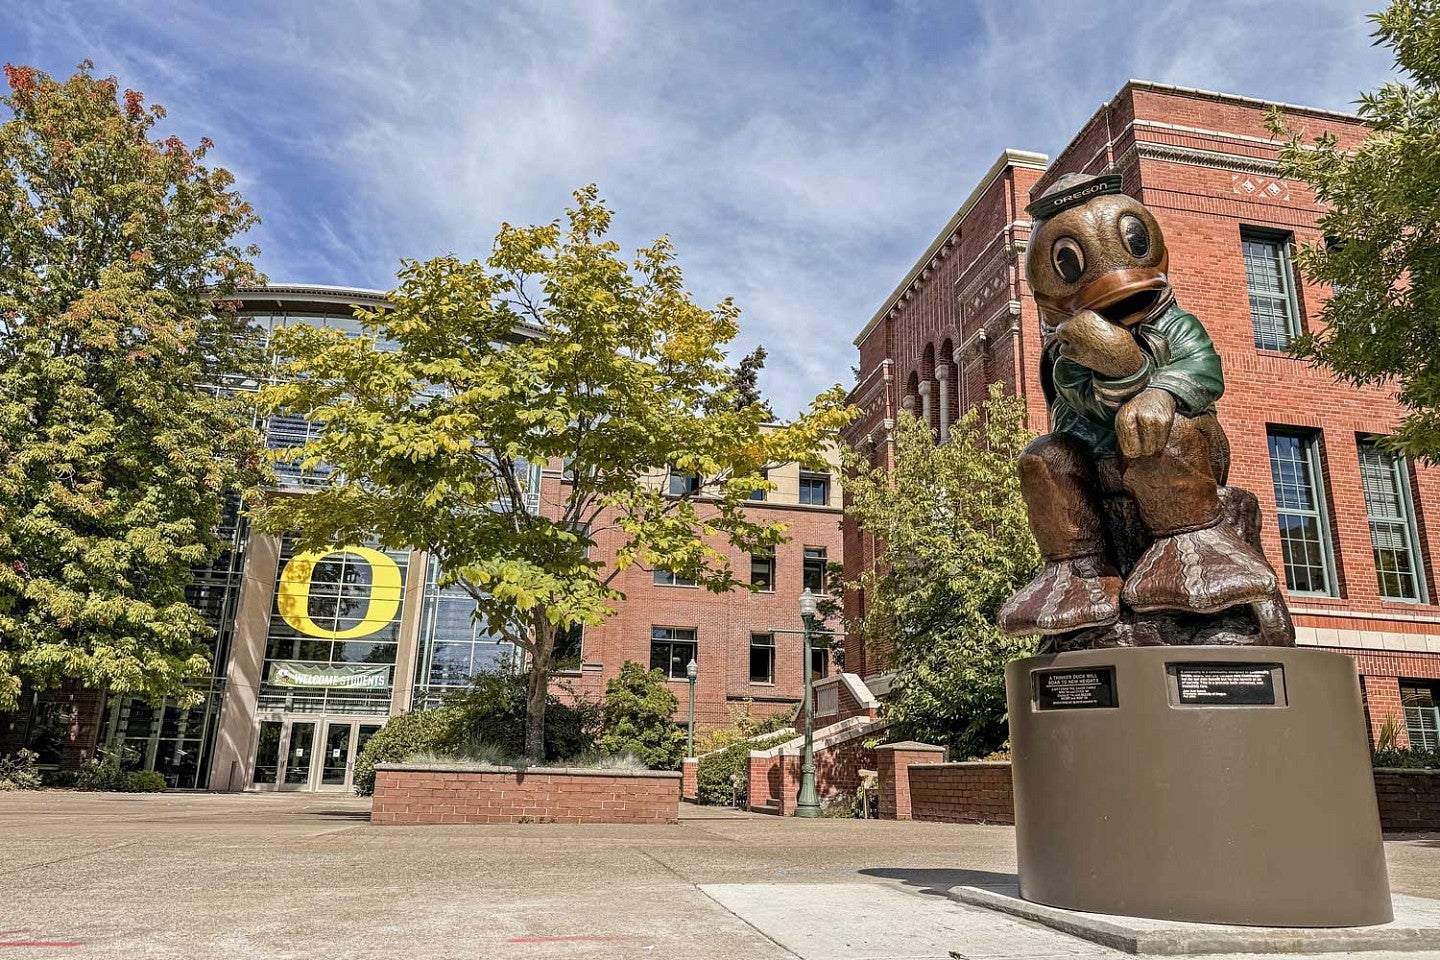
{"x": 440, "y": 731}
{"x": 19, "y": 772}
{"x": 1410, "y": 758}
{"x": 743, "y": 727}
{"x": 490, "y": 716}
{"x": 493, "y": 711}
{"x": 718, "y": 773}
{"x": 638, "y": 718}
{"x": 144, "y": 781}
{"x": 106, "y": 771}
{"x": 101, "y": 772}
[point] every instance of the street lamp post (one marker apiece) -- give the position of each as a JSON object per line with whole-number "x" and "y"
{"x": 691, "y": 672}
{"x": 807, "y": 802}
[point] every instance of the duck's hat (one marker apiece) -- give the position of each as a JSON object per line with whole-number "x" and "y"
{"x": 1072, "y": 190}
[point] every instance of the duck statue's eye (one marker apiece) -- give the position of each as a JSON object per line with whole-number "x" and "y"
{"x": 1068, "y": 259}
{"x": 1135, "y": 235}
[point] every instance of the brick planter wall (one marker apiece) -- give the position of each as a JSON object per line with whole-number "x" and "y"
{"x": 895, "y": 788}
{"x": 407, "y": 793}
{"x": 962, "y": 792}
{"x": 1409, "y": 800}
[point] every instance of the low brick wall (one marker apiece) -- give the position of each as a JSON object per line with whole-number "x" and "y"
{"x": 1409, "y": 800}
{"x": 962, "y": 792}
{"x": 407, "y": 793}
{"x": 895, "y": 789}
{"x": 690, "y": 778}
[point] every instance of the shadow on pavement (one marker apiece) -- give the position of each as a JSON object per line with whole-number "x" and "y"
{"x": 339, "y": 814}
{"x": 938, "y": 881}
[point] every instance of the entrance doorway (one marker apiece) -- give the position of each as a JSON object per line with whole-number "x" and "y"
{"x": 313, "y": 753}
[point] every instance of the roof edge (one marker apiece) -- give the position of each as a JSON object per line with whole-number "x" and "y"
{"x": 1008, "y": 157}
{"x": 1240, "y": 98}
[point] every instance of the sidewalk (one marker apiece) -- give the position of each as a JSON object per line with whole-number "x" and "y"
{"x": 271, "y": 876}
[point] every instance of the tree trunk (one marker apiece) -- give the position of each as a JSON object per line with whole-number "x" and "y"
{"x": 538, "y": 689}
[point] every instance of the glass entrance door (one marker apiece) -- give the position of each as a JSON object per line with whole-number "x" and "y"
{"x": 299, "y": 755}
{"x": 309, "y": 754}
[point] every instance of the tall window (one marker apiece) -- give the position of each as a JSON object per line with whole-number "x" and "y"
{"x": 1300, "y": 512}
{"x": 814, "y": 575}
{"x": 762, "y": 658}
{"x": 819, "y": 662}
{"x": 669, "y": 578}
{"x": 762, "y": 570}
{"x": 455, "y": 646}
{"x": 1274, "y": 311}
{"x": 672, "y": 649}
{"x": 1422, "y": 719}
{"x": 568, "y": 655}
{"x": 1392, "y": 523}
{"x": 815, "y": 489}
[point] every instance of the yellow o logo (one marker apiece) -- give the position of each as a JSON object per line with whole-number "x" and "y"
{"x": 293, "y": 593}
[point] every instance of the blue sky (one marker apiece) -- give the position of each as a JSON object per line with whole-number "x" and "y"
{"x": 800, "y": 155}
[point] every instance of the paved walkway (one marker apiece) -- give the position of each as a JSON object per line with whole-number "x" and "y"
{"x": 290, "y": 876}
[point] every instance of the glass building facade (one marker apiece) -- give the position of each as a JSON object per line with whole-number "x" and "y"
{"x": 313, "y": 652}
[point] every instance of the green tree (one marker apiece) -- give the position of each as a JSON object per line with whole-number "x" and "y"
{"x": 745, "y": 381}
{"x": 638, "y": 717}
{"x": 955, "y": 544}
{"x": 1382, "y": 252}
{"x": 552, "y": 350}
{"x": 114, "y": 465}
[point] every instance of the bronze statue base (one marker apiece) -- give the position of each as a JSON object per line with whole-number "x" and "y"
{"x": 1210, "y": 783}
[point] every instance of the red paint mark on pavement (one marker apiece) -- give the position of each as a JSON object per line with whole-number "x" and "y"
{"x": 574, "y": 939}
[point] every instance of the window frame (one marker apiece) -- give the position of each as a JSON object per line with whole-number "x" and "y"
{"x": 1428, "y": 736}
{"x": 1399, "y": 466}
{"x": 691, "y": 480}
{"x": 676, "y": 580}
{"x": 1283, "y": 241}
{"x": 769, "y": 586}
{"x": 813, "y": 475}
{"x": 1310, "y": 451}
{"x": 693, "y": 643}
{"x": 805, "y": 568}
{"x": 767, "y": 642}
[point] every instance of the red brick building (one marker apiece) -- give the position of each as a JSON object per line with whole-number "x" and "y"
{"x": 746, "y": 647}
{"x": 1352, "y": 530}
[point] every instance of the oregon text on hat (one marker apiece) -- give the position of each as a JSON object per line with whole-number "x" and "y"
{"x": 1052, "y": 204}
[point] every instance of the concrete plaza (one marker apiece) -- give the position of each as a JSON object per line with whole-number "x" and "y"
{"x": 304, "y": 875}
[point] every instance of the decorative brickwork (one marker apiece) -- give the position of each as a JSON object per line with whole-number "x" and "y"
{"x": 437, "y": 793}
{"x": 1409, "y": 800}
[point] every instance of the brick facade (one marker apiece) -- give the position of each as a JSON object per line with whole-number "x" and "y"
{"x": 723, "y": 623}
{"x": 1205, "y": 165}
{"x": 410, "y": 794}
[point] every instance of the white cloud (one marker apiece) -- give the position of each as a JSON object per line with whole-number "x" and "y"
{"x": 800, "y": 155}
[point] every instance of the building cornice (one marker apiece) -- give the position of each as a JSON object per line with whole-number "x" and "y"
{"x": 1196, "y": 157}
{"x": 1023, "y": 159}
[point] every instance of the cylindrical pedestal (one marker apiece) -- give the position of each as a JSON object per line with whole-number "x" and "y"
{"x": 1212, "y": 784}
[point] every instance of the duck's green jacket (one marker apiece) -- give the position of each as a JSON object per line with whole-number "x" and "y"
{"x": 1179, "y": 359}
